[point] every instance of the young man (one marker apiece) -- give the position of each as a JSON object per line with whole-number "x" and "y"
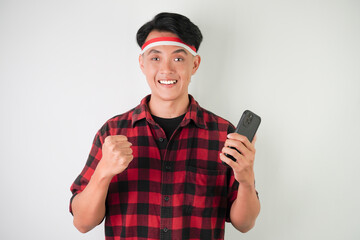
{"x": 157, "y": 172}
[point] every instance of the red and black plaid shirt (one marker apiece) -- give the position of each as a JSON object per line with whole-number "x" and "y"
{"x": 174, "y": 188}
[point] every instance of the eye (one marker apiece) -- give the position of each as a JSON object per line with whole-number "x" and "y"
{"x": 155, "y": 59}
{"x": 178, "y": 59}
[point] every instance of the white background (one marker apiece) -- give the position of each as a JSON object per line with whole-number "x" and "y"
{"x": 68, "y": 66}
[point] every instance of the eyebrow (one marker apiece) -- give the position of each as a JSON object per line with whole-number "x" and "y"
{"x": 180, "y": 50}
{"x": 153, "y": 51}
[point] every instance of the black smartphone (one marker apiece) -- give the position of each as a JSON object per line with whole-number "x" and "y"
{"x": 247, "y": 126}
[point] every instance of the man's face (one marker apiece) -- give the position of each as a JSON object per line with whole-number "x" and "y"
{"x": 168, "y": 69}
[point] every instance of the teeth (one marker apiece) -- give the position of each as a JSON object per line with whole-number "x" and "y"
{"x": 167, "y": 82}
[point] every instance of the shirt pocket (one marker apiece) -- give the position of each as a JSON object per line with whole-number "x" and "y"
{"x": 205, "y": 191}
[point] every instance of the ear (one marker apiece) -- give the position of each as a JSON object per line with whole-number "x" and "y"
{"x": 196, "y": 64}
{"x": 141, "y": 62}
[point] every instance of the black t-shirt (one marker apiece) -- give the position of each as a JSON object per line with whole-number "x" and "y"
{"x": 169, "y": 125}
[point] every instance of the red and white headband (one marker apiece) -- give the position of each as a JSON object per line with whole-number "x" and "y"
{"x": 173, "y": 41}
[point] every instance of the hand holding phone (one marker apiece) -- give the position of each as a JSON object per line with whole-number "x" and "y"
{"x": 247, "y": 126}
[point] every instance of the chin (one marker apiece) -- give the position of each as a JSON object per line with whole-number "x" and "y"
{"x": 167, "y": 96}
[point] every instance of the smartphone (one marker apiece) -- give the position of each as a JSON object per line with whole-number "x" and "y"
{"x": 247, "y": 126}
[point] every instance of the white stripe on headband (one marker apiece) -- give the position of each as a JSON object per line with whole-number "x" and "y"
{"x": 169, "y": 42}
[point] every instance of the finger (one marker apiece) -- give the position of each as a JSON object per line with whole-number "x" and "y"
{"x": 241, "y": 159}
{"x": 238, "y": 145}
{"x": 242, "y": 139}
{"x": 126, "y": 151}
{"x": 233, "y": 152}
{"x": 129, "y": 158}
{"x": 239, "y": 137}
{"x": 227, "y": 160}
{"x": 254, "y": 140}
{"x": 125, "y": 144}
{"x": 116, "y": 138}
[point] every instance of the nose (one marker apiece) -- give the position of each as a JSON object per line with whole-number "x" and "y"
{"x": 166, "y": 66}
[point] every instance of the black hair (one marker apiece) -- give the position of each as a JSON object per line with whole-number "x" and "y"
{"x": 178, "y": 24}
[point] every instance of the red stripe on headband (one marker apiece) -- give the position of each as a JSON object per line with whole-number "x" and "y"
{"x": 171, "y": 39}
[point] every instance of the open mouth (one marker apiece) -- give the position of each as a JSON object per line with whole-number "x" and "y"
{"x": 167, "y": 82}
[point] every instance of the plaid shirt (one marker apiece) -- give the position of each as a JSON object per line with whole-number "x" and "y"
{"x": 174, "y": 188}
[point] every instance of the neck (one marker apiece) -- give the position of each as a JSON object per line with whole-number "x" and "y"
{"x": 168, "y": 108}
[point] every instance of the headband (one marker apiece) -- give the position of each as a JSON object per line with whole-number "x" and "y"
{"x": 172, "y": 41}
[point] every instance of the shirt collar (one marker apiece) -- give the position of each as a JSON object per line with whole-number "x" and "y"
{"x": 194, "y": 113}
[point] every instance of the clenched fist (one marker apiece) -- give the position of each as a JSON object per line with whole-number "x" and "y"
{"x": 116, "y": 155}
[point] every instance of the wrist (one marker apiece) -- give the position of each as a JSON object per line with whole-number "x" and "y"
{"x": 247, "y": 191}
{"x": 101, "y": 176}
{"x": 246, "y": 186}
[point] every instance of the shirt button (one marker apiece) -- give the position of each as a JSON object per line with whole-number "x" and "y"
{"x": 166, "y": 198}
{"x": 168, "y": 168}
{"x": 165, "y": 229}
{"x": 161, "y": 139}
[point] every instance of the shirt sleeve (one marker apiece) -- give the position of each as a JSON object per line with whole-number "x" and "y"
{"x": 232, "y": 183}
{"x": 94, "y": 157}
{"x": 232, "y": 193}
